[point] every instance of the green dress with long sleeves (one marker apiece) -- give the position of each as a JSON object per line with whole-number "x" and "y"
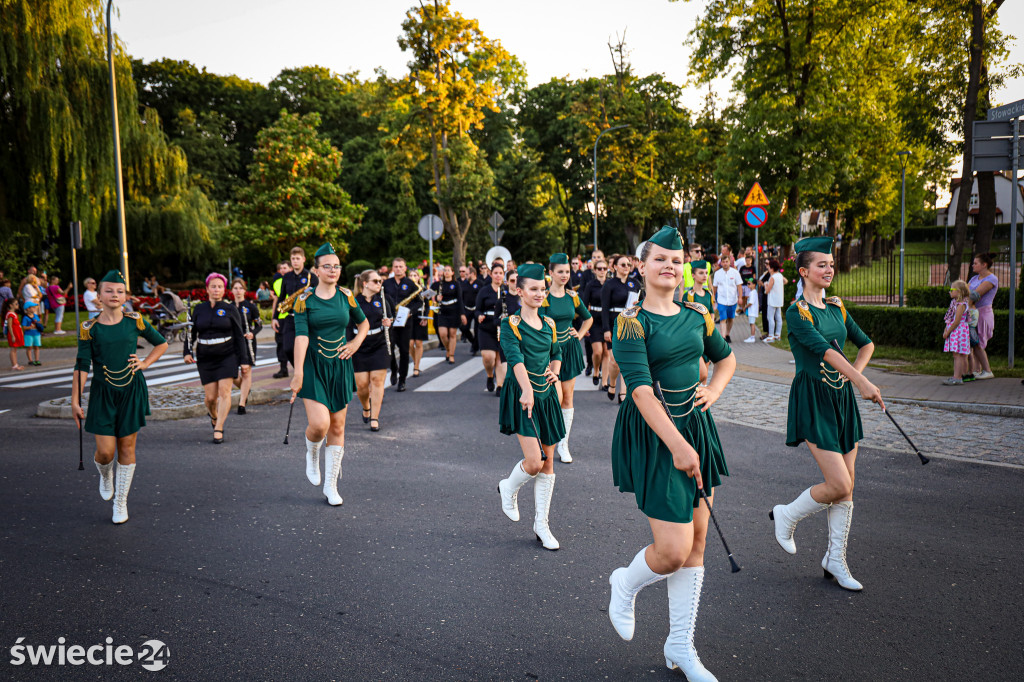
{"x": 563, "y": 310}
{"x": 535, "y": 349}
{"x": 707, "y": 299}
{"x": 118, "y": 397}
{"x": 326, "y": 378}
{"x": 667, "y": 349}
{"x": 822, "y": 404}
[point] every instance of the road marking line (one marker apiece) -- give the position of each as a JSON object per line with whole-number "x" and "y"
{"x": 452, "y": 378}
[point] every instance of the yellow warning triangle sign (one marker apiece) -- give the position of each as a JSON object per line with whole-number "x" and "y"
{"x": 756, "y": 196}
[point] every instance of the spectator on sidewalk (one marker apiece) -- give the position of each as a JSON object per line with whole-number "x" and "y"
{"x": 972, "y": 322}
{"x": 32, "y": 327}
{"x": 29, "y": 290}
{"x": 263, "y": 295}
{"x": 957, "y": 332}
{"x": 12, "y": 329}
{"x": 986, "y": 284}
{"x": 58, "y": 299}
{"x": 5, "y": 289}
{"x": 774, "y": 289}
{"x": 728, "y": 290}
{"x": 751, "y": 309}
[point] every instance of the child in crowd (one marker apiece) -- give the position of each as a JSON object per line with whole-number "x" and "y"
{"x": 12, "y": 328}
{"x": 32, "y": 326}
{"x": 751, "y": 309}
{"x": 957, "y": 332}
{"x": 972, "y": 322}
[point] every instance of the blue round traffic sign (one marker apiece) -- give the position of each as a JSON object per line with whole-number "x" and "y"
{"x": 755, "y": 216}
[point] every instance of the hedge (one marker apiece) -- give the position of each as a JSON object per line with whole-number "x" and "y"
{"x": 938, "y": 297}
{"x": 922, "y": 327}
{"x": 355, "y": 267}
{"x": 938, "y": 233}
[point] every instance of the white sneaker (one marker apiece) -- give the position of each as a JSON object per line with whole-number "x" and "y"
{"x": 59, "y": 332}
{"x": 749, "y": 339}
{"x": 984, "y": 375}
{"x": 769, "y": 339}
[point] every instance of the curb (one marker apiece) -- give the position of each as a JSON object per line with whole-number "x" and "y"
{"x": 60, "y": 408}
{"x": 1012, "y": 411}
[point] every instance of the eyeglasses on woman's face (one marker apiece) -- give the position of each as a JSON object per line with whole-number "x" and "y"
{"x": 330, "y": 268}
{"x": 374, "y": 281}
{"x": 601, "y": 268}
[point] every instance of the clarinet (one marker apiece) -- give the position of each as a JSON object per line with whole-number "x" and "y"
{"x": 249, "y": 342}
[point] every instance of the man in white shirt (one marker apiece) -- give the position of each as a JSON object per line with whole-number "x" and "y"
{"x": 728, "y": 289}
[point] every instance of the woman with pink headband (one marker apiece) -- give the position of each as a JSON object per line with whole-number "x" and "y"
{"x": 216, "y": 344}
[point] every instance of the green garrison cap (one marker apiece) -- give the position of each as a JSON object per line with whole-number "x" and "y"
{"x": 324, "y": 250}
{"x": 815, "y": 244}
{"x": 559, "y": 259}
{"x": 531, "y": 271}
{"x": 114, "y": 276}
{"x": 668, "y": 238}
{"x": 698, "y": 265}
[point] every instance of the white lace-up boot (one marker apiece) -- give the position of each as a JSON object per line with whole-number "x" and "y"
{"x": 563, "y": 445}
{"x": 786, "y": 516}
{"x": 106, "y": 479}
{"x": 509, "y": 487}
{"x": 683, "y": 598}
{"x": 542, "y": 490}
{"x": 840, "y": 515}
{"x": 313, "y": 461}
{"x": 125, "y": 472}
{"x": 332, "y": 472}
{"x": 626, "y": 583}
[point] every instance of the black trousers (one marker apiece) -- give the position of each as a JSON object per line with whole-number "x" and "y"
{"x": 400, "y": 337}
{"x": 467, "y": 330}
{"x": 762, "y": 300}
{"x": 282, "y": 358}
{"x": 287, "y": 327}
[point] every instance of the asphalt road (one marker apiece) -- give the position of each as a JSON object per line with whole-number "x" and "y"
{"x": 235, "y": 561}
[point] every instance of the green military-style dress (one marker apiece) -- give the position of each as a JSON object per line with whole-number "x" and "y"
{"x": 706, "y": 299}
{"x": 667, "y": 349}
{"x": 822, "y": 404}
{"x": 326, "y": 378}
{"x": 118, "y": 397}
{"x": 563, "y": 310}
{"x": 535, "y": 349}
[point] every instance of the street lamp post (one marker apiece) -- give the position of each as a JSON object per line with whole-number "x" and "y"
{"x": 119, "y": 186}
{"x": 606, "y": 130}
{"x": 904, "y": 157}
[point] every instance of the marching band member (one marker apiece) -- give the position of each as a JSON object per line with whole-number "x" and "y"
{"x": 118, "y": 397}
{"x": 488, "y": 310}
{"x": 469, "y": 286}
{"x": 592, "y": 299}
{"x": 822, "y": 405}
{"x": 615, "y": 296}
{"x": 252, "y": 324}
{"x": 664, "y": 460}
{"x": 370, "y": 363}
{"x": 452, "y": 314}
{"x": 418, "y": 320}
{"x": 531, "y": 346}
{"x": 324, "y": 377}
{"x": 564, "y": 306}
{"x": 398, "y": 288}
{"x": 508, "y": 305}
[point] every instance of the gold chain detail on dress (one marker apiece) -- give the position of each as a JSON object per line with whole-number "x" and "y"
{"x": 833, "y": 378}
{"x": 332, "y": 352}
{"x": 689, "y": 401}
{"x": 113, "y": 377}
{"x": 538, "y": 387}
{"x": 564, "y": 336}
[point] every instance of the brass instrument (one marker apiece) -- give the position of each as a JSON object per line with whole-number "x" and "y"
{"x": 405, "y": 301}
{"x": 285, "y": 306}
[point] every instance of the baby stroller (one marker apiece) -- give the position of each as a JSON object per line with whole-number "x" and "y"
{"x": 164, "y": 316}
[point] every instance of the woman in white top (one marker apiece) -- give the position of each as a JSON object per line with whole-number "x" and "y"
{"x": 92, "y": 306}
{"x": 774, "y": 288}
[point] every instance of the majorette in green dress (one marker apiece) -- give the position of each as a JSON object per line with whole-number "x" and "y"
{"x": 535, "y": 349}
{"x": 650, "y": 347}
{"x": 326, "y": 378}
{"x": 118, "y": 396}
{"x": 822, "y": 403}
{"x": 563, "y": 310}
{"x": 706, "y": 299}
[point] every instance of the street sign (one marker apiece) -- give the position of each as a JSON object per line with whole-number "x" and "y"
{"x": 495, "y": 220}
{"x": 756, "y": 196}
{"x": 1007, "y": 111}
{"x": 431, "y": 227}
{"x": 993, "y": 146}
{"x": 755, "y": 216}
{"x": 496, "y": 236}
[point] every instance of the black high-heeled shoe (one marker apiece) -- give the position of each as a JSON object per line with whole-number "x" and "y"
{"x": 366, "y": 416}
{"x": 597, "y": 379}
{"x": 220, "y": 440}
{"x": 622, "y": 399}
{"x": 610, "y": 392}
{"x": 375, "y": 428}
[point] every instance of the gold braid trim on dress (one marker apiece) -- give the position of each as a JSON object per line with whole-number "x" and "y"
{"x": 140, "y": 323}
{"x": 835, "y": 300}
{"x": 299, "y": 305}
{"x": 83, "y": 333}
{"x": 628, "y": 326}
{"x": 805, "y": 311}
{"x": 709, "y": 320}
{"x": 513, "y": 322}
{"x": 554, "y": 329}
{"x": 351, "y": 298}
{"x": 574, "y": 296}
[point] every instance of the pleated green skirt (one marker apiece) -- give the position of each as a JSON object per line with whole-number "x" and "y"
{"x": 117, "y": 411}
{"x": 573, "y": 361}
{"x": 822, "y": 415}
{"x": 547, "y": 413}
{"x": 642, "y": 465}
{"x": 328, "y": 381}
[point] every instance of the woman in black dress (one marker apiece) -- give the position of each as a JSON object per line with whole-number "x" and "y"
{"x": 592, "y": 299}
{"x": 488, "y": 310}
{"x": 373, "y": 358}
{"x": 615, "y": 297}
{"x": 508, "y": 304}
{"x": 452, "y": 314}
{"x": 216, "y": 344}
{"x": 252, "y": 324}
{"x": 419, "y": 315}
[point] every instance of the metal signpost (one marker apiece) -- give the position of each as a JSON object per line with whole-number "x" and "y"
{"x": 904, "y": 156}
{"x": 76, "y": 243}
{"x": 756, "y": 215}
{"x": 122, "y": 238}
{"x": 495, "y": 222}
{"x": 997, "y": 148}
{"x": 431, "y": 227}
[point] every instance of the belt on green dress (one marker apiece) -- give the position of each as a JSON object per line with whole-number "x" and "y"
{"x": 117, "y": 378}
{"x": 832, "y": 378}
{"x": 330, "y": 348}
{"x": 689, "y": 401}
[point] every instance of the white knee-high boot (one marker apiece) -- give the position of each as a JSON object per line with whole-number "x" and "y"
{"x": 106, "y": 479}
{"x": 332, "y": 472}
{"x": 563, "y": 445}
{"x": 542, "y": 491}
{"x": 125, "y": 472}
{"x": 786, "y": 516}
{"x": 626, "y": 583}
{"x": 509, "y": 487}
{"x": 840, "y": 515}
{"x": 683, "y": 599}
{"x": 313, "y": 461}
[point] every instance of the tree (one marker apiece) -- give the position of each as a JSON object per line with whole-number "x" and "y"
{"x": 293, "y": 197}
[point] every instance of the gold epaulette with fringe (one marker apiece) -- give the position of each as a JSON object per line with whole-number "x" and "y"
{"x": 300, "y": 301}
{"x": 140, "y": 323}
{"x": 348, "y": 293}
{"x": 805, "y": 311}
{"x": 628, "y": 326}
{"x": 575, "y": 297}
{"x": 546, "y": 303}
{"x": 835, "y": 300}
{"x": 83, "y": 333}
{"x": 554, "y": 329}
{"x": 709, "y": 319}
{"x": 689, "y": 295}
{"x": 513, "y": 321}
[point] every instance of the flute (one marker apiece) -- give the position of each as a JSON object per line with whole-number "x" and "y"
{"x": 245, "y": 316}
